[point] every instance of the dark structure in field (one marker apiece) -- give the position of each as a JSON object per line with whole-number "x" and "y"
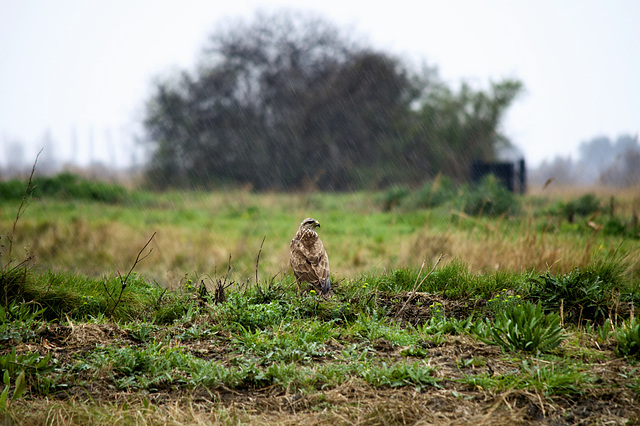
{"x": 511, "y": 174}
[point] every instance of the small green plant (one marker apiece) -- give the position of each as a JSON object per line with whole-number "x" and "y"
{"x": 143, "y": 332}
{"x": 628, "y": 335}
{"x": 18, "y": 390}
{"x": 603, "y": 332}
{"x": 196, "y": 332}
{"x": 32, "y": 363}
{"x": 553, "y": 379}
{"x": 143, "y": 368}
{"x": 377, "y": 326}
{"x": 399, "y": 374}
{"x": 525, "y": 327}
{"x": 414, "y": 351}
{"x": 436, "y": 310}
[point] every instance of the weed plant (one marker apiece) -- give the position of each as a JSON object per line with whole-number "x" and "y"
{"x": 292, "y": 343}
{"x": 525, "y": 327}
{"x": 376, "y": 325}
{"x": 240, "y": 312}
{"x": 554, "y": 379}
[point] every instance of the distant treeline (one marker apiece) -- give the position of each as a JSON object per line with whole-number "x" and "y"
{"x": 287, "y": 101}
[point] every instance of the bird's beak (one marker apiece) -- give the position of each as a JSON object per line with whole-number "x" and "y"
{"x": 317, "y": 224}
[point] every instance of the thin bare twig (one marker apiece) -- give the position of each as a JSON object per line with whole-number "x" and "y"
{"x": 123, "y": 281}
{"x": 19, "y": 213}
{"x": 417, "y": 285}
{"x": 221, "y": 285}
{"x": 258, "y": 259}
{"x": 138, "y": 258}
{"x": 228, "y": 270}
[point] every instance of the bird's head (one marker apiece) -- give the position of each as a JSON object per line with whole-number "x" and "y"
{"x": 309, "y": 223}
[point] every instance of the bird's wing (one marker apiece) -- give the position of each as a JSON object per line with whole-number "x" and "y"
{"x": 323, "y": 274}
{"x": 302, "y": 267}
{"x": 320, "y": 264}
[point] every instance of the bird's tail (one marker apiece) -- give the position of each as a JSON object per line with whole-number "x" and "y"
{"x": 325, "y": 287}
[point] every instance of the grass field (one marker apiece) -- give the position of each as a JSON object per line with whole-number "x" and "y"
{"x": 529, "y": 316}
{"x": 197, "y": 232}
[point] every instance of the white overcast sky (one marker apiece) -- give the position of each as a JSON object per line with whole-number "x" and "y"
{"x": 85, "y": 68}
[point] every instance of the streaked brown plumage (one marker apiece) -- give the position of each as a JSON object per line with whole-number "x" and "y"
{"x": 309, "y": 259}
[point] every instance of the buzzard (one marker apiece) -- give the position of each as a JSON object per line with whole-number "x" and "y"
{"x": 308, "y": 259}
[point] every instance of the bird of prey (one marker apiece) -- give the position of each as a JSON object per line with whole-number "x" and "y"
{"x": 308, "y": 259}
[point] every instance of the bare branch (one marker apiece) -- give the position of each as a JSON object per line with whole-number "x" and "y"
{"x": 258, "y": 259}
{"x": 138, "y": 258}
{"x": 19, "y": 213}
{"x": 123, "y": 281}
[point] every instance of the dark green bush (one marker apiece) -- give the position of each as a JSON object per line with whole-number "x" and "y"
{"x": 617, "y": 227}
{"x": 488, "y": 198}
{"x": 435, "y": 193}
{"x": 584, "y": 206}
{"x": 393, "y": 196}
{"x": 12, "y": 189}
